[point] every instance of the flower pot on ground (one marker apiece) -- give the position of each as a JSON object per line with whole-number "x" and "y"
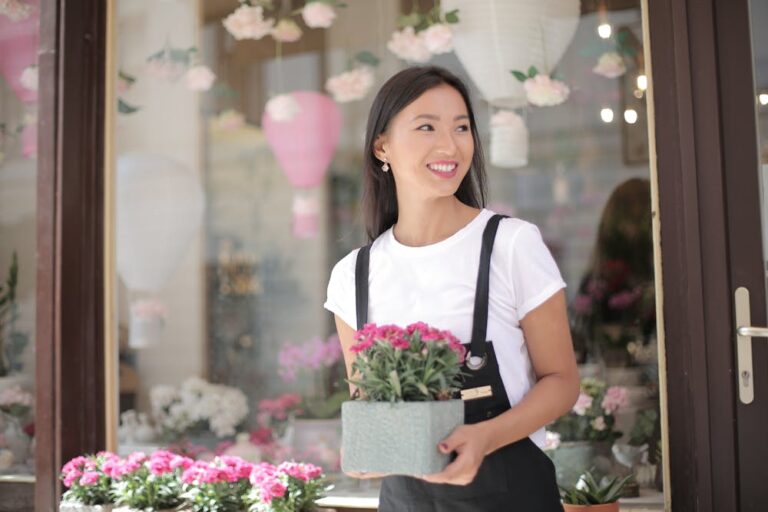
{"x": 405, "y": 380}
{"x": 590, "y": 496}
{"x": 88, "y": 483}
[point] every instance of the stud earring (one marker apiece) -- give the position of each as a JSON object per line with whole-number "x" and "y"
{"x": 385, "y": 167}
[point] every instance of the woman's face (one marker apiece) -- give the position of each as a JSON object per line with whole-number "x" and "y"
{"x": 429, "y": 144}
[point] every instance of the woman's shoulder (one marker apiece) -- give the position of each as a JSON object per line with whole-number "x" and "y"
{"x": 511, "y": 227}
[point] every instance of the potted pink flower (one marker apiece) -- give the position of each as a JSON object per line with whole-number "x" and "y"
{"x": 406, "y": 380}
{"x": 88, "y": 484}
{"x": 218, "y": 485}
{"x": 288, "y": 487}
{"x": 140, "y": 482}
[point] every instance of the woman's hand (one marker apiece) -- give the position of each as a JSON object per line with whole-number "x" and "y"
{"x": 470, "y": 442}
{"x": 365, "y": 476}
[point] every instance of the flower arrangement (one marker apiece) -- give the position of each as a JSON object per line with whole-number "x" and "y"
{"x": 198, "y": 405}
{"x": 142, "y": 482}
{"x": 418, "y": 363}
{"x": 251, "y": 20}
{"x": 588, "y": 491}
{"x": 288, "y": 487}
{"x": 423, "y": 35}
{"x": 86, "y": 479}
{"x": 218, "y": 485}
{"x": 592, "y": 418}
{"x": 542, "y": 90}
{"x": 16, "y": 10}
{"x": 274, "y": 413}
{"x": 16, "y": 401}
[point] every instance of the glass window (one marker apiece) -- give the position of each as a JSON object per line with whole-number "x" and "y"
{"x": 19, "y": 30}
{"x": 239, "y": 133}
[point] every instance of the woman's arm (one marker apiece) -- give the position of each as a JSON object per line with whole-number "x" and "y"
{"x": 347, "y": 338}
{"x": 548, "y": 338}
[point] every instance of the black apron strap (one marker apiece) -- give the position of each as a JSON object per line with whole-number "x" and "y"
{"x": 361, "y": 285}
{"x": 480, "y": 319}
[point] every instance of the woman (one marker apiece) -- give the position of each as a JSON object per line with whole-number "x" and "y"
{"x": 423, "y": 205}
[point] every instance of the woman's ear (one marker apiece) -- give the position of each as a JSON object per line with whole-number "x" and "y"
{"x": 378, "y": 148}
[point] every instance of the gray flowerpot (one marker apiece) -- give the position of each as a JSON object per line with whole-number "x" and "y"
{"x": 397, "y": 438}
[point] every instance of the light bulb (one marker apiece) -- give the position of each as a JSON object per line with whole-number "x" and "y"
{"x": 763, "y": 99}
{"x": 606, "y": 115}
{"x": 630, "y": 116}
{"x": 604, "y": 30}
{"x": 642, "y": 82}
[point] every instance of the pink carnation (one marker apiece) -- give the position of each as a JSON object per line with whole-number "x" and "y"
{"x": 615, "y": 399}
{"x": 544, "y": 91}
{"x": 318, "y": 14}
{"x": 351, "y": 85}
{"x": 583, "y": 403}
{"x": 408, "y": 45}
{"x": 625, "y": 299}
{"x": 90, "y": 478}
{"x": 248, "y": 23}
{"x": 71, "y": 478}
{"x": 582, "y": 304}
{"x": 300, "y": 471}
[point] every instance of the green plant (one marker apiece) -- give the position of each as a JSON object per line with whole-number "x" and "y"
{"x": 592, "y": 418}
{"x": 589, "y": 492}
{"x": 12, "y": 342}
{"x": 415, "y": 364}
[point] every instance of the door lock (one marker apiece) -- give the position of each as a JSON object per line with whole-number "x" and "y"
{"x": 744, "y": 335}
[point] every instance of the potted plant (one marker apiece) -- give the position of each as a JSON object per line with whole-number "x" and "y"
{"x": 88, "y": 484}
{"x": 288, "y": 487}
{"x": 140, "y": 482}
{"x": 406, "y": 380}
{"x": 588, "y": 495}
{"x": 219, "y": 485}
{"x": 587, "y": 432}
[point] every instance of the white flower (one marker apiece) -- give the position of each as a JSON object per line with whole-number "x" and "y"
{"x": 583, "y": 403}
{"x": 286, "y": 31}
{"x": 407, "y": 45}
{"x": 598, "y": 423}
{"x": 350, "y": 86}
{"x": 200, "y": 78}
{"x": 29, "y": 78}
{"x": 15, "y": 10}
{"x": 283, "y": 107}
{"x": 248, "y": 23}
{"x": 543, "y": 91}
{"x": 438, "y": 38}
{"x": 610, "y": 65}
{"x": 552, "y": 440}
{"x": 318, "y": 15}
{"x": 15, "y": 396}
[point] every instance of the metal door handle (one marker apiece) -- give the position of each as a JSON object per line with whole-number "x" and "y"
{"x": 744, "y": 335}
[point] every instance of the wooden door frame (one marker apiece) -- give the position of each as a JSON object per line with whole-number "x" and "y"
{"x": 694, "y": 235}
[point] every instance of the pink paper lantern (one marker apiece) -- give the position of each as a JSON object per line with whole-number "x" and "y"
{"x": 18, "y": 50}
{"x": 304, "y": 146}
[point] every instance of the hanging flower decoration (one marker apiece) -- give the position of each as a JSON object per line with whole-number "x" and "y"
{"x": 353, "y": 84}
{"x": 124, "y": 83}
{"x": 199, "y": 78}
{"x": 170, "y": 63}
{"x": 610, "y": 65}
{"x": 286, "y": 31}
{"x": 248, "y": 22}
{"x": 29, "y": 78}
{"x": 320, "y": 13}
{"x": 542, "y": 90}
{"x": 423, "y": 35}
{"x": 283, "y": 107}
{"x": 15, "y": 10}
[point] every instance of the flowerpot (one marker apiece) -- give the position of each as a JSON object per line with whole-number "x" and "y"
{"x": 71, "y": 506}
{"x": 573, "y": 458}
{"x": 397, "y": 438}
{"x": 606, "y": 507}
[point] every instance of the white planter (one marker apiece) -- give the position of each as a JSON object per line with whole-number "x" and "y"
{"x": 397, "y": 438}
{"x": 69, "y": 506}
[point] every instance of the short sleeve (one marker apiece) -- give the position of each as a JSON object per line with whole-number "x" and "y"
{"x": 534, "y": 273}
{"x": 340, "y": 298}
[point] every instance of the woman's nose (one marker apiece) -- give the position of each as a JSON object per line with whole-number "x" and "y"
{"x": 446, "y": 143}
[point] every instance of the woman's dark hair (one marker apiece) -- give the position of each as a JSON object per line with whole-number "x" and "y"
{"x": 379, "y": 197}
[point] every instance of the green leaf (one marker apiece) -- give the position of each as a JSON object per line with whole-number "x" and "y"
{"x": 532, "y": 71}
{"x": 520, "y": 75}
{"x": 452, "y": 16}
{"x": 125, "y": 108}
{"x": 367, "y": 58}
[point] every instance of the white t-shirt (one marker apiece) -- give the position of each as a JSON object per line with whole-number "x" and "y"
{"x": 436, "y": 284}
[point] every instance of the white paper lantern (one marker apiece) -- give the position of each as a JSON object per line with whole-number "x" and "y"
{"x": 160, "y": 205}
{"x": 509, "y": 140}
{"x": 494, "y": 37}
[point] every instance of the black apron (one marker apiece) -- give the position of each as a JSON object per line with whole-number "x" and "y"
{"x": 518, "y": 477}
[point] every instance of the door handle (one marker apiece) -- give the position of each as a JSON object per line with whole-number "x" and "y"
{"x": 744, "y": 334}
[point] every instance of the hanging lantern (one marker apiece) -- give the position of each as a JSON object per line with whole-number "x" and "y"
{"x": 304, "y": 146}
{"x": 494, "y": 37}
{"x": 160, "y": 206}
{"x": 18, "y": 50}
{"x": 147, "y": 321}
{"x": 509, "y": 140}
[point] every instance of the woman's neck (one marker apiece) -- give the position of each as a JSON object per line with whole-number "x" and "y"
{"x": 427, "y": 223}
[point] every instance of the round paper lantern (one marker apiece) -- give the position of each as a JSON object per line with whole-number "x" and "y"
{"x": 494, "y": 37}
{"x": 304, "y": 146}
{"x": 509, "y": 140}
{"x": 160, "y": 205}
{"x": 18, "y": 50}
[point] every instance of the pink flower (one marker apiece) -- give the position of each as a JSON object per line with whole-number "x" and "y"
{"x": 248, "y": 23}
{"x": 200, "y": 78}
{"x": 615, "y": 399}
{"x": 438, "y": 38}
{"x": 283, "y": 107}
{"x": 552, "y": 440}
{"x": 300, "y": 471}
{"x": 610, "y": 65}
{"x": 318, "y": 14}
{"x": 622, "y": 300}
{"x": 160, "y": 462}
{"x": 543, "y": 91}
{"x": 75, "y": 464}
{"x": 582, "y": 304}
{"x": 583, "y": 403}
{"x": 242, "y": 468}
{"x": 286, "y": 31}
{"x": 272, "y": 488}
{"x": 350, "y": 86}
{"x": 179, "y": 461}
{"x": 407, "y": 45}
{"x": 90, "y": 478}
{"x": 71, "y": 478}
{"x": 261, "y": 436}
{"x": 112, "y": 468}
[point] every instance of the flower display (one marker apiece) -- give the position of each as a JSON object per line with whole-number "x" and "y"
{"x": 16, "y": 401}
{"x": 15, "y": 10}
{"x": 86, "y": 480}
{"x": 423, "y": 35}
{"x": 314, "y": 354}
{"x": 409, "y": 46}
{"x": 592, "y": 417}
{"x": 283, "y": 107}
{"x": 248, "y": 22}
{"x": 143, "y": 482}
{"x": 286, "y": 31}
{"x": 610, "y": 65}
{"x": 350, "y": 85}
{"x": 418, "y": 363}
{"x": 287, "y": 487}
{"x": 318, "y": 14}
{"x": 438, "y": 38}
{"x": 199, "y": 78}
{"x": 544, "y": 91}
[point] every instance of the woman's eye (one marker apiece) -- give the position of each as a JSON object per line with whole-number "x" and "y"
{"x": 425, "y": 128}
{"x": 463, "y": 128}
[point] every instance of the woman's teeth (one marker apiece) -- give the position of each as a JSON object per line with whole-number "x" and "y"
{"x": 442, "y": 167}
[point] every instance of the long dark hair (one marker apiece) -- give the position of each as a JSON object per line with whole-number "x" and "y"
{"x": 379, "y": 197}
